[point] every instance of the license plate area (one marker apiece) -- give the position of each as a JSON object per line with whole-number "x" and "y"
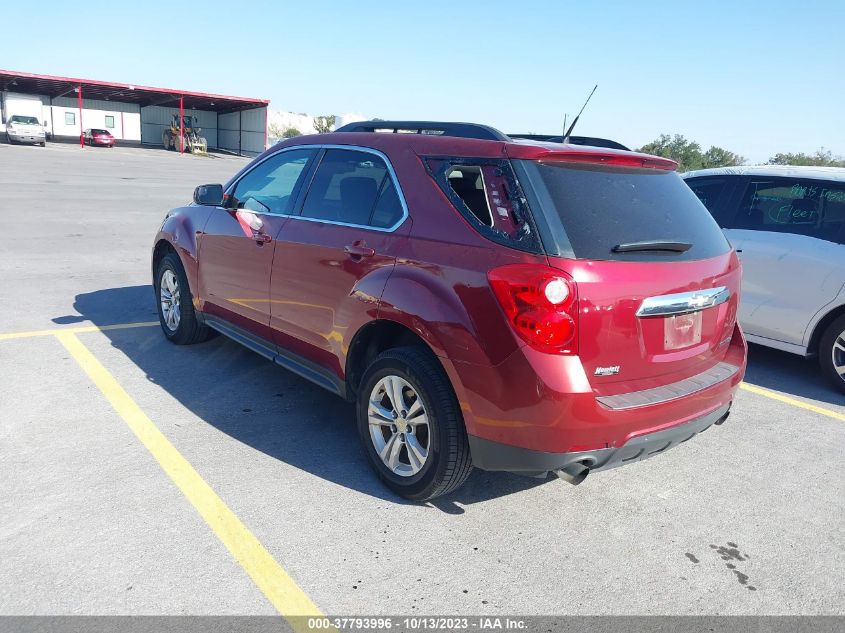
{"x": 682, "y": 330}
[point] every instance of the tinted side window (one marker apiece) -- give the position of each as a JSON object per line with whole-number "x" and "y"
{"x": 271, "y": 185}
{"x": 709, "y": 191}
{"x": 388, "y": 209}
{"x": 790, "y": 205}
{"x": 350, "y": 186}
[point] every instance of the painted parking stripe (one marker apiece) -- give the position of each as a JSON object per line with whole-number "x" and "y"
{"x": 77, "y": 330}
{"x": 279, "y": 588}
{"x": 774, "y": 395}
{"x": 124, "y": 326}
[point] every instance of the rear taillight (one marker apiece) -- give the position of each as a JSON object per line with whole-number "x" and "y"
{"x": 540, "y": 303}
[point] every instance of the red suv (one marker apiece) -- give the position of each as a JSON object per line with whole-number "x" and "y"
{"x": 486, "y": 301}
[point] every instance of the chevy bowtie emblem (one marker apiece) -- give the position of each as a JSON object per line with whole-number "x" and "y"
{"x": 699, "y": 301}
{"x": 607, "y": 371}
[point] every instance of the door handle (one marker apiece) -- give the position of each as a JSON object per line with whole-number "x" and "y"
{"x": 357, "y": 250}
{"x": 261, "y": 238}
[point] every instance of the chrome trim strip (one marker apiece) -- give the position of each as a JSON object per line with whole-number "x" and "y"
{"x": 713, "y": 376}
{"x": 683, "y": 302}
{"x": 358, "y": 148}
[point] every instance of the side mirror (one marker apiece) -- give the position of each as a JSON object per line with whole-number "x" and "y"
{"x": 209, "y": 195}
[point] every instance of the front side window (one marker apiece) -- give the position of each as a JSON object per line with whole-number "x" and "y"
{"x": 70, "y": 118}
{"x": 787, "y": 205}
{"x": 109, "y": 121}
{"x": 353, "y": 187}
{"x": 272, "y": 185}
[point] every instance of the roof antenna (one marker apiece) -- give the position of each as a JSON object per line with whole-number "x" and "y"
{"x": 575, "y": 120}
{"x": 564, "y": 128}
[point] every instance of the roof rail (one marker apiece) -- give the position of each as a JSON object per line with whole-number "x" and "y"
{"x": 469, "y": 130}
{"x": 433, "y": 128}
{"x": 592, "y": 141}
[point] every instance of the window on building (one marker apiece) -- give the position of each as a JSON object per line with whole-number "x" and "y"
{"x": 354, "y": 188}
{"x": 70, "y": 118}
{"x": 109, "y": 122}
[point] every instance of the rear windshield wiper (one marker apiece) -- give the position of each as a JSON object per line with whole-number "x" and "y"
{"x": 652, "y": 245}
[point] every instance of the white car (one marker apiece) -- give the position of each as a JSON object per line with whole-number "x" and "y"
{"x": 788, "y": 226}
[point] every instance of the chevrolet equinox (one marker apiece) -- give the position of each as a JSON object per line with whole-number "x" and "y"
{"x": 489, "y": 301}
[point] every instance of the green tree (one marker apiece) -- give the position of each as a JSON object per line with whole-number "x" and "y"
{"x": 688, "y": 153}
{"x": 684, "y": 152}
{"x": 821, "y": 158}
{"x": 324, "y": 123}
{"x": 291, "y": 132}
{"x": 719, "y": 157}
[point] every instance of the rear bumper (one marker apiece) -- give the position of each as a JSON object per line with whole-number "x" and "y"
{"x": 547, "y": 405}
{"x": 489, "y": 455}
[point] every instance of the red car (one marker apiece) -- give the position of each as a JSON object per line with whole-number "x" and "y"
{"x": 508, "y": 304}
{"x": 103, "y": 138}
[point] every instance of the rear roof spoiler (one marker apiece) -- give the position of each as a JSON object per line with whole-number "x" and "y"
{"x": 469, "y": 130}
{"x": 592, "y": 141}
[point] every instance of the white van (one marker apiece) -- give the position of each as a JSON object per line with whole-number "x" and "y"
{"x": 21, "y": 128}
{"x": 22, "y": 118}
{"x": 788, "y": 226}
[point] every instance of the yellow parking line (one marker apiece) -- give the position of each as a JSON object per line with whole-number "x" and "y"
{"x": 774, "y": 395}
{"x": 279, "y": 588}
{"x": 76, "y": 330}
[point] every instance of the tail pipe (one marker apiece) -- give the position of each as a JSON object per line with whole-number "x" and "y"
{"x": 574, "y": 473}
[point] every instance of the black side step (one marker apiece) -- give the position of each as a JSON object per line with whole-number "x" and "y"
{"x": 292, "y": 362}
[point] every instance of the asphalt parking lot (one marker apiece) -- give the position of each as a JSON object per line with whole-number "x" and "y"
{"x": 143, "y": 478}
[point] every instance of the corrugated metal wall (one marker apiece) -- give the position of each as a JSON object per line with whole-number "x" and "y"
{"x": 243, "y": 132}
{"x": 155, "y": 118}
{"x": 253, "y": 130}
{"x": 228, "y": 131}
{"x": 126, "y": 117}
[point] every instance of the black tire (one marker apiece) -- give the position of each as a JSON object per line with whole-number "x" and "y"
{"x": 189, "y": 330}
{"x": 448, "y": 463}
{"x": 834, "y": 331}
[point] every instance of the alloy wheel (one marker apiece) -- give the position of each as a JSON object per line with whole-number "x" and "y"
{"x": 399, "y": 427}
{"x": 169, "y": 297}
{"x": 838, "y": 355}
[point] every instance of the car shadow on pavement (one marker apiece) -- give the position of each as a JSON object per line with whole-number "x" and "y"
{"x": 259, "y": 404}
{"x": 790, "y": 374}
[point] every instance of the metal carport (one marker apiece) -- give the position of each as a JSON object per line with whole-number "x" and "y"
{"x": 235, "y": 124}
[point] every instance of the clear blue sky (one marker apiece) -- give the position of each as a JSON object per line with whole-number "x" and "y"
{"x": 753, "y": 77}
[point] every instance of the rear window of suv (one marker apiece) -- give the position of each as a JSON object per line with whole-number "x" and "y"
{"x": 591, "y": 209}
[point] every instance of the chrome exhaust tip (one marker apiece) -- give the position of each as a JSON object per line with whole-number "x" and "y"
{"x": 574, "y": 473}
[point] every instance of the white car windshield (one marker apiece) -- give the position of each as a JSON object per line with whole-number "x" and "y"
{"x": 25, "y": 120}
